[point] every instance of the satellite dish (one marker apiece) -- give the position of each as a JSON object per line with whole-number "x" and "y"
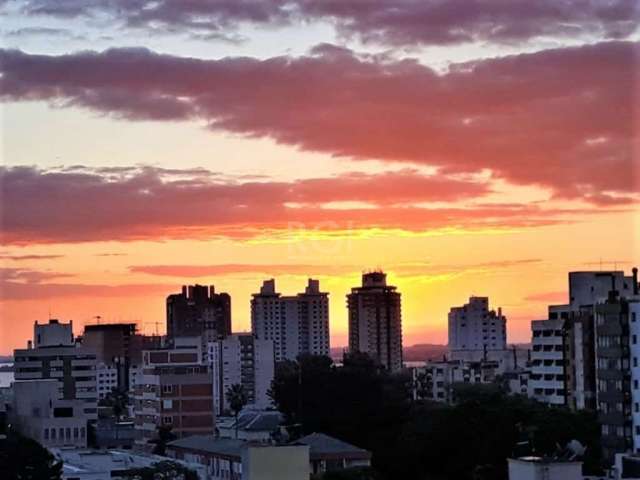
{"x": 576, "y": 448}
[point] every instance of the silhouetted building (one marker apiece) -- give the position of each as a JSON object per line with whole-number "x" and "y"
{"x": 199, "y": 311}
{"x": 375, "y": 320}
{"x": 118, "y": 347}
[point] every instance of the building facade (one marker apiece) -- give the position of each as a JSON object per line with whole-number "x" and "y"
{"x": 55, "y": 354}
{"x": 475, "y": 331}
{"x": 106, "y": 379}
{"x": 39, "y": 413}
{"x": 199, "y": 311}
{"x": 242, "y": 359}
{"x": 548, "y": 361}
{"x": 231, "y": 459}
{"x": 118, "y": 346}
{"x": 437, "y": 379}
{"x": 174, "y": 390}
{"x": 297, "y": 325}
{"x": 375, "y": 320}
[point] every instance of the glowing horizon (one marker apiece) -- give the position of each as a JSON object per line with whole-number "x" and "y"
{"x": 148, "y": 148}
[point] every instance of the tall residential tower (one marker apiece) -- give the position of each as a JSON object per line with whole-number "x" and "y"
{"x": 474, "y": 330}
{"x": 296, "y": 324}
{"x": 199, "y": 311}
{"x": 375, "y": 320}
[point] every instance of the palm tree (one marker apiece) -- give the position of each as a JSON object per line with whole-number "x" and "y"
{"x": 237, "y": 399}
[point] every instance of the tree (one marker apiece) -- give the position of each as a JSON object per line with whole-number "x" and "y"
{"x": 165, "y": 435}
{"x": 363, "y": 404}
{"x": 118, "y": 400}
{"x": 165, "y": 470}
{"x": 237, "y": 399}
{"x": 22, "y": 458}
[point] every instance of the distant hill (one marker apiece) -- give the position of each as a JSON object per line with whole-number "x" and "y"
{"x": 422, "y": 351}
{"x": 413, "y": 353}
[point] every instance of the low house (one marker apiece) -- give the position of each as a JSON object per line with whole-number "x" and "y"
{"x": 540, "y": 468}
{"x": 231, "y": 459}
{"x": 254, "y": 426}
{"x": 328, "y": 454}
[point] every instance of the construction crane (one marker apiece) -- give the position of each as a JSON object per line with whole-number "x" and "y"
{"x": 155, "y": 324}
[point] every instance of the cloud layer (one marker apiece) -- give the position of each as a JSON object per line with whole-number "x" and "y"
{"x": 394, "y": 23}
{"x": 562, "y": 119}
{"x": 43, "y": 206}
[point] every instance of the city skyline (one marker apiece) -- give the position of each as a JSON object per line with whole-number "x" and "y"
{"x": 480, "y": 152}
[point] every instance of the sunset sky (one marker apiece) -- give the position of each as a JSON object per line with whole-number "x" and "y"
{"x": 466, "y": 147}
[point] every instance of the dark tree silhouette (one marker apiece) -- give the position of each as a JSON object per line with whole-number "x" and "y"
{"x": 165, "y": 435}
{"x": 22, "y": 458}
{"x": 237, "y": 398}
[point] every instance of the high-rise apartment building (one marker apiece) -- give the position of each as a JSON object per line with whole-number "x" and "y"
{"x": 475, "y": 332}
{"x": 55, "y": 354}
{"x": 548, "y": 361}
{"x": 600, "y": 330}
{"x": 199, "y": 311}
{"x": 615, "y": 385}
{"x": 242, "y": 359}
{"x": 118, "y": 347}
{"x": 174, "y": 390}
{"x": 375, "y": 320}
{"x": 297, "y": 325}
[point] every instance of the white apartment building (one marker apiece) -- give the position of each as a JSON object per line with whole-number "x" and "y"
{"x": 436, "y": 380}
{"x": 634, "y": 353}
{"x": 297, "y": 324}
{"x": 106, "y": 379}
{"x": 548, "y": 361}
{"x": 54, "y": 354}
{"x": 39, "y": 413}
{"x": 590, "y": 288}
{"x": 475, "y": 332}
{"x": 245, "y": 360}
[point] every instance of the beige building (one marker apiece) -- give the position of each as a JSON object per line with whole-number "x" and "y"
{"x": 230, "y": 459}
{"x": 38, "y": 412}
{"x": 54, "y": 354}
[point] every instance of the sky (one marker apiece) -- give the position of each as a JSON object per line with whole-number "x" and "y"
{"x": 465, "y": 147}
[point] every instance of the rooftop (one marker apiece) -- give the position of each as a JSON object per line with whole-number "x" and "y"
{"x": 229, "y": 447}
{"x": 324, "y": 445}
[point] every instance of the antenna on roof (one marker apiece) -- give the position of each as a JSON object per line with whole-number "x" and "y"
{"x": 156, "y": 325}
{"x": 98, "y": 318}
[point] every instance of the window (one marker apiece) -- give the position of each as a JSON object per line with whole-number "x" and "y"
{"x": 167, "y": 388}
{"x": 167, "y": 420}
